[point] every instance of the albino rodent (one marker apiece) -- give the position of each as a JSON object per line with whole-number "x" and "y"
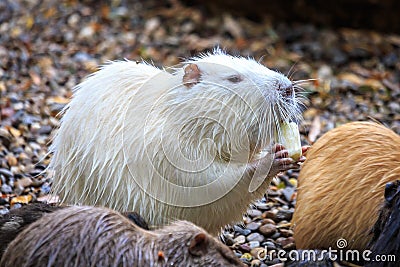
{"x": 341, "y": 185}
{"x": 89, "y": 236}
{"x": 181, "y": 145}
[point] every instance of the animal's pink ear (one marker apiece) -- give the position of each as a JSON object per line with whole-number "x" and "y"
{"x": 192, "y": 75}
{"x": 198, "y": 245}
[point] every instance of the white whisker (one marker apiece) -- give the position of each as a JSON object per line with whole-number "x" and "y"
{"x": 303, "y": 81}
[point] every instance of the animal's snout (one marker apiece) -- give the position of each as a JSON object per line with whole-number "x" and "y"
{"x": 286, "y": 90}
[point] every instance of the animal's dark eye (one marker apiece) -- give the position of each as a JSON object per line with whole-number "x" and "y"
{"x": 235, "y": 79}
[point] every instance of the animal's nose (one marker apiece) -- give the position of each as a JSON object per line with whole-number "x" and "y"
{"x": 286, "y": 90}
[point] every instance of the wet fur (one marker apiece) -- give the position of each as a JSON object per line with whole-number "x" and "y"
{"x": 341, "y": 185}
{"x": 88, "y": 236}
{"x": 14, "y": 222}
{"x": 130, "y": 125}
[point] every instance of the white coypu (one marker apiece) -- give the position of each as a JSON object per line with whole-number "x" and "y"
{"x": 180, "y": 144}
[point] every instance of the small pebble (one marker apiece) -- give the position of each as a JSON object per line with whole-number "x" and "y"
{"x": 37, "y": 182}
{"x": 245, "y": 247}
{"x": 254, "y": 213}
{"x": 276, "y": 235}
{"x": 272, "y": 193}
{"x": 293, "y": 181}
{"x": 262, "y": 206}
{"x": 265, "y": 221}
{"x": 286, "y": 232}
{"x": 16, "y": 206}
{"x": 45, "y": 188}
{"x": 254, "y": 244}
{"x": 239, "y": 230}
{"x": 286, "y": 243}
{"x": 271, "y": 214}
{"x": 255, "y": 263}
{"x": 268, "y": 229}
{"x": 253, "y": 226}
{"x": 23, "y": 182}
{"x": 284, "y": 215}
{"x": 240, "y": 239}
{"x": 269, "y": 245}
{"x": 6, "y": 189}
{"x": 45, "y": 129}
{"x": 288, "y": 192}
{"x": 255, "y": 237}
{"x": 4, "y": 211}
{"x": 5, "y": 172}
{"x": 18, "y": 190}
{"x": 247, "y": 220}
{"x": 12, "y": 161}
{"x": 247, "y": 256}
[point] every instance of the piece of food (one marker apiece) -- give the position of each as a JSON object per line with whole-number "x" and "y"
{"x": 289, "y": 137}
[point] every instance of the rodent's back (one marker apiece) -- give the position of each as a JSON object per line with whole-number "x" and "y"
{"x": 77, "y": 236}
{"x": 16, "y": 220}
{"x": 341, "y": 185}
{"x": 12, "y": 223}
{"x": 89, "y": 236}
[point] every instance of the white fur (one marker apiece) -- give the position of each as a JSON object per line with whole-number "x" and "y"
{"x": 135, "y": 138}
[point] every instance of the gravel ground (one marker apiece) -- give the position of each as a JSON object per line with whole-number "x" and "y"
{"x": 47, "y": 47}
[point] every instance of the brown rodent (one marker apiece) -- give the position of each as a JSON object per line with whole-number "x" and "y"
{"x": 89, "y": 236}
{"x": 341, "y": 185}
{"x": 183, "y": 145}
{"x": 14, "y": 222}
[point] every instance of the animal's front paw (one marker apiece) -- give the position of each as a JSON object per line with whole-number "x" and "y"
{"x": 282, "y": 162}
{"x": 271, "y": 164}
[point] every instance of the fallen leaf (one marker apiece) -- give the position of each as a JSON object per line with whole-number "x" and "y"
{"x": 315, "y": 130}
{"x": 15, "y": 132}
{"x": 58, "y": 100}
{"x": 11, "y": 160}
{"x": 373, "y": 83}
{"x": 29, "y": 22}
{"x": 352, "y": 78}
{"x": 25, "y": 199}
{"x": 35, "y": 78}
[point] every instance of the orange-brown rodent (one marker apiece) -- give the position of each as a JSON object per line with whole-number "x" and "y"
{"x": 341, "y": 185}
{"x": 90, "y": 236}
